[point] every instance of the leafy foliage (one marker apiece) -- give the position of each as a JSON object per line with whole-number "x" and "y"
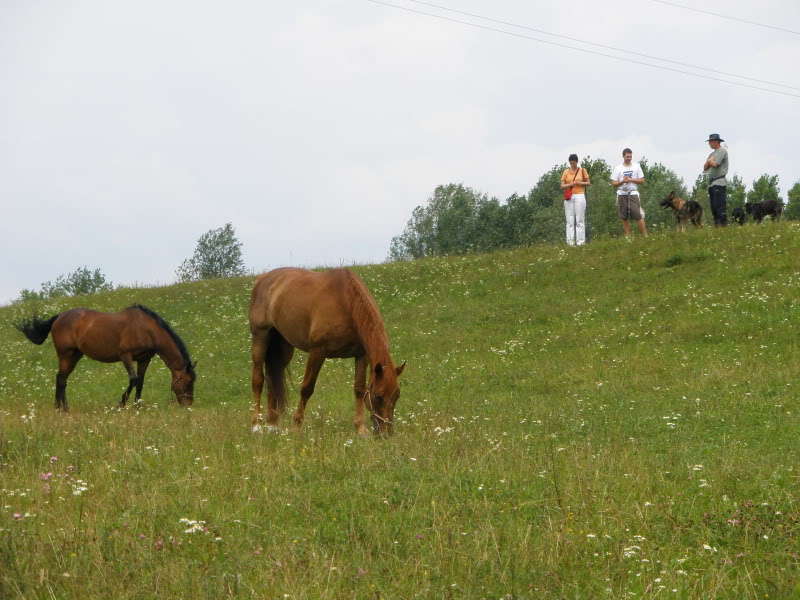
{"x": 764, "y": 188}
{"x": 457, "y": 219}
{"x": 737, "y": 192}
{"x": 80, "y": 282}
{"x": 793, "y": 208}
{"x": 218, "y": 254}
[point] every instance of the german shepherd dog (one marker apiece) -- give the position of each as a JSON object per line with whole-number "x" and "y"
{"x": 767, "y": 208}
{"x": 684, "y": 210}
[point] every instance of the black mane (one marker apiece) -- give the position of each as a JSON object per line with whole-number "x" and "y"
{"x": 166, "y": 327}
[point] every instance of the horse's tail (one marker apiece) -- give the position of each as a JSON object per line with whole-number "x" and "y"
{"x": 279, "y": 353}
{"x": 36, "y": 329}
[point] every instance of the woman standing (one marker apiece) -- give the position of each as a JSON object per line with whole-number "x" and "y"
{"x": 573, "y": 182}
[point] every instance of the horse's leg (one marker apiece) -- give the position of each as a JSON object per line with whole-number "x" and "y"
{"x": 127, "y": 361}
{"x": 313, "y": 365}
{"x": 66, "y": 364}
{"x": 360, "y": 389}
{"x": 259, "y": 354}
{"x": 141, "y": 367}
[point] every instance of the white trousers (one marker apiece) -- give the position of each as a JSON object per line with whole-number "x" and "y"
{"x": 575, "y": 211}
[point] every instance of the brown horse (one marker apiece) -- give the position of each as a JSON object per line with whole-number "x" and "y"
{"x": 135, "y": 334}
{"x": 329, "y": 315}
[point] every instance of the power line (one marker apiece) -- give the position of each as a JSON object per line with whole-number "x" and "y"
{"x": 629, "y": 60}
{"x": 705, "y": 12}
{"x": 573, "y": 39}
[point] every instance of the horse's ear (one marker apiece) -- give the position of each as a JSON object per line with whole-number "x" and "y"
{"x": 378, "y": 370}
{"x": 399, "y": 369}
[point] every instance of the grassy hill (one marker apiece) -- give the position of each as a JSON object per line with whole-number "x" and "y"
{"x": 619, "y": 420}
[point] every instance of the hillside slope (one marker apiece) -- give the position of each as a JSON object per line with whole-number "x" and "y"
{"x": 617, "y": 419}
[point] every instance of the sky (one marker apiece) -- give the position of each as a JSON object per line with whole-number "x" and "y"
{"x": 129, "y": 129}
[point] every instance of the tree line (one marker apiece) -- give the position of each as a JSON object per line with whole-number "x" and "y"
{"x": 218, "y": 254}
{"x": 457, "y": 219}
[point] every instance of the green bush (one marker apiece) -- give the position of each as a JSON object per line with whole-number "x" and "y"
{"x": 80, "y": 282}
{"x": 218, "y": 254}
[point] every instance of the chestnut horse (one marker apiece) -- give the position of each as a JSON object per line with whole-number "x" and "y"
{"x": 135, "y": 334}
{"x": 329, "y": 315}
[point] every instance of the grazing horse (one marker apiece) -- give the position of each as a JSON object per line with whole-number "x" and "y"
{"x": 329, "y": 315}
{"x": 135, "y": 334}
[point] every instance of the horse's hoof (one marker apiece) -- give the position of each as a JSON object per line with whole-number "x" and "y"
{"x": 256, "y": 428}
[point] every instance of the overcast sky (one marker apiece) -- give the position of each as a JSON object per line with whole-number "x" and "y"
{"x": 128, "y": 129}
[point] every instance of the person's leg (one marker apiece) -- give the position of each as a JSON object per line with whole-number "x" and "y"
{"x": 635, "y": 212}
{"x": 622, "y": 212}
{"x": 722, "y": 204}
{"x": 711, "y": 204}
{"x": 580, "y": 218}
{"x": 717, "y": 198}
{"x": 569, "y": 213}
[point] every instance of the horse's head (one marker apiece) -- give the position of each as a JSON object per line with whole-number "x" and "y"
{"x": 183, "y": 384}
{"x": 383, "y": 393}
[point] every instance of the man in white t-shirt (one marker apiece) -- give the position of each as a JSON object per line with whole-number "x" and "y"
{"x": 626, "y": 178}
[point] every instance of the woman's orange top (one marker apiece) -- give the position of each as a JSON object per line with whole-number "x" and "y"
{"x": 581, "y": 175}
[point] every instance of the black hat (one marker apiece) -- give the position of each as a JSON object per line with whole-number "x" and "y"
{"x": 714, "y": 137}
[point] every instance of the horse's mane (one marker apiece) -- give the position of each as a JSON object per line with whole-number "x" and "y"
{"x": 171, "y": 332}
{"x": 367, "y": 322}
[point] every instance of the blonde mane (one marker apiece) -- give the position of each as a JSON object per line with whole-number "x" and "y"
{"x": 368, "y": 323}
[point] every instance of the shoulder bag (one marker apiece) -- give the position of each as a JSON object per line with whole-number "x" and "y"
{"x": 568, "y": 191}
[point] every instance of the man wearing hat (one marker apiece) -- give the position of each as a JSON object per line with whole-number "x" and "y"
{"x": 717, "y": 167}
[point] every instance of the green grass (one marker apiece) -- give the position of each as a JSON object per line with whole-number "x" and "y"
{"x": 613, "y": 421}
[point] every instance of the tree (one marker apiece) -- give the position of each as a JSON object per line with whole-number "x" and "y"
{"x": 544, "y": 205}
{"x": 699, "y": 192}
{"x": 765, "y": 188}
{"x": 456, "y": 219}
{"x": 601, "y": 200}
{"x": 80, "y": 282}
{"x": 218, "y": 254}
{"x": 793, "y": 208}
{"x": 737, "y": 192}
{"x": 659, "y": 181}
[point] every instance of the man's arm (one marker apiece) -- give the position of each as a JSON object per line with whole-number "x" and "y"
{"x": 640, "y": 179}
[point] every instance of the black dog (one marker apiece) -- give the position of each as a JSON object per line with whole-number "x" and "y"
{"x": 738, "y": 215}
{"x": 767, "y": 208}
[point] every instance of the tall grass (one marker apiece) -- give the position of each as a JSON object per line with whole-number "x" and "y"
{"x": 612, "y": 421}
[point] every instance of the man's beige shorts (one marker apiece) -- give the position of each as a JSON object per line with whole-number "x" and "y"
{"x": 629, "y": 207}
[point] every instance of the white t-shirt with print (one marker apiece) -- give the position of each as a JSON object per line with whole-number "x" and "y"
{"x": 622, "y": 171}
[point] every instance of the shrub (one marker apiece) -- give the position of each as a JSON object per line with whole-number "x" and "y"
{"x": 218, "y": 254}
{"x": 80, "y": 282}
